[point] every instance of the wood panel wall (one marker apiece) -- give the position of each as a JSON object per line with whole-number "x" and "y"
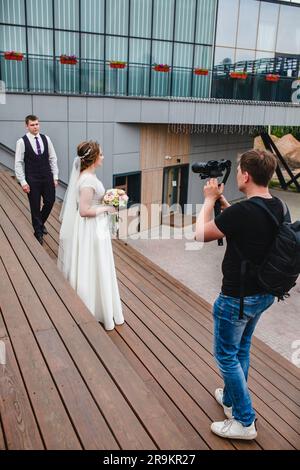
{"x": 156, "y": 144}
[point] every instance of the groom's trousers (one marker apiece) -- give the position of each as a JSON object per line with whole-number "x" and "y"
{"x": 43, "y": 189}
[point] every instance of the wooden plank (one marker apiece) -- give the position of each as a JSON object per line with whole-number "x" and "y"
{"x": 178, "y": 349}
{"x": 194, "y": 440}
{"x": 260, "y": 405}
{"x": 162, "y": 430}
{"x": 54, "y": 423}
{"x": 179, "y": 300}
{"x": 127, "y": 429}
{"x": 88, "y": 420}
{"x": 264, "y": 424}
{"x": 48, "y": 240}
{"x": 163, "y": 376}
{"x": 17, "y": 418}
{"x": 17, "y": 191}
{"x": 194, "y": 300}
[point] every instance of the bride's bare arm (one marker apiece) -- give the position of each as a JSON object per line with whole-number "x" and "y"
{"x": 86, "y": 209}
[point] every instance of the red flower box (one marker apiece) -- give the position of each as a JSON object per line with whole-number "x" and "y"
{"x": 201, "y": 71}
{"x": 161, "y": 68}
{"x": 117, "y": 65}
{"x": 12, "y": 55}
{"x": 271, "y": 77}
{"x": 239, "y": 75}
{"x": 66, "y": 59}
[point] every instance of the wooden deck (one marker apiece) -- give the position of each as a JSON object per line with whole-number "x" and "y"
{"x": 148, "y": 384}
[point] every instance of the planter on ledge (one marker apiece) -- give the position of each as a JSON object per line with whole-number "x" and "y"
{"x": 272, "y": 77}
{"x": 117, "y": 65}
{"x": 200, "y": 71}
{"x": 12, "y": 55}
{"x": 68, "y": 59}
{"x": 239, "y": 75}
{"x": 161, "y": 68}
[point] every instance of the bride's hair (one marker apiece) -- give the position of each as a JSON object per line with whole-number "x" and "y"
{"x": 88, "y": 152}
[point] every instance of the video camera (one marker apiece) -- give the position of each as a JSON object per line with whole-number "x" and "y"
{"x": 213, "y": 169}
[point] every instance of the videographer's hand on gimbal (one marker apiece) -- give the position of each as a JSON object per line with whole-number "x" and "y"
{"x": 215, "y": 192}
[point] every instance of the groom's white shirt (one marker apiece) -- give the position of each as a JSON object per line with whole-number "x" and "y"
{"x": 19, "y": 157}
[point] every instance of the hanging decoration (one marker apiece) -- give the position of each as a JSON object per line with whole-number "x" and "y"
{"x": 117, "y": 64}
{"x": 13, "y": 55}
{"x": 68, "y": 59}
{"x": 271, "y": 77}
{"x": 239, "y": 75}
{"x": 161, "y": 67}
{"x": 199, "y": 71}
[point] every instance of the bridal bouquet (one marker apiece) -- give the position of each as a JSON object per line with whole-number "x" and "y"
{"x": 119, "y": 199}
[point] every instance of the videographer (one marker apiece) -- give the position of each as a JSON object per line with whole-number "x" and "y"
{"x": 248, "y": 227}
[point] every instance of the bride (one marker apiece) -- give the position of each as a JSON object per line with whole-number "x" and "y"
{"x": 85, "y": 253}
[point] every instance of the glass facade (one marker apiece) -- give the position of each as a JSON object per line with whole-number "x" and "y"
{"x": 140, "y": 33}
{"x": 218, "y": 37}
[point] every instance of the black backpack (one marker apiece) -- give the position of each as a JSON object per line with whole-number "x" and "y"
{"x": 278, "y": 272}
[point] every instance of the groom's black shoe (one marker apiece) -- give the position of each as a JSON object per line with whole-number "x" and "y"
{"x": 39, "y": 238}
{"x": 45, "y": 231}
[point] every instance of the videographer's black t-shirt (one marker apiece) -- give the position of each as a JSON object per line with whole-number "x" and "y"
{"x": 252, "y": 229}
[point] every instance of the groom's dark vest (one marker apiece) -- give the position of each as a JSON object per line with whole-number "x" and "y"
{"x": 37, "y": 167}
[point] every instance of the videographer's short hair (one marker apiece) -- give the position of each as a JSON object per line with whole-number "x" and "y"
{"x": 31, "y": 117}
{"x": 260, "y": 164}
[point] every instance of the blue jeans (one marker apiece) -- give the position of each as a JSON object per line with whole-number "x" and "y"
{"x": 232, "y": 342}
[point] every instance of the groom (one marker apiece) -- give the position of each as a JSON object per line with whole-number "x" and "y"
{"x": 36, "y": 169}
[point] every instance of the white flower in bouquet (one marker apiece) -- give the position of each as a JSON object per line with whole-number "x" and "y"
{"x": 116, "y": 198}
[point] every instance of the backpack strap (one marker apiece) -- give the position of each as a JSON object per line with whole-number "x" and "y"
{"x": 286, "y": 214}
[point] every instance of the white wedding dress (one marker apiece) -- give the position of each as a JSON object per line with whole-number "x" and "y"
{"x": 87, "y": 261}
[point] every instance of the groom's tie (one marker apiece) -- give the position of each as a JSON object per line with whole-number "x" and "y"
{"x": 38, "y": 147}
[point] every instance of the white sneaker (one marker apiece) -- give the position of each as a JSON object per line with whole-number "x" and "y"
{"x": 233, "y": 429}
{"x": 219, "y": 398}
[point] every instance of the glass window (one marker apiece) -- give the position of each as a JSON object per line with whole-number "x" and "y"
{"x": 161, "y": 52}
{"x": 139, "y": 51}
{"x": 203, "y": 57}
{"x": 92, "y": 16}
{"x": 247, "y": 30}
{"x": 163, "y": 19}
{"x": 244, "y": 55}
{"x": 288, "y": 39}
{"x": 227, "y": 22}
{"x": 12, "y": 11}
{"x": 40, "y": 41}
{"x": 92, "y": 46}
{"x": 39, "y": 13}
{"x": 185, "y": 20}
{"x": 116, "y": 48}
{"x": 66, "y": 43}
{"x": 117, "y": 17}
{"x": 206, "y": 13}
{"x": 140, "y": 18}
{"x": 13, "y": 38}
{"x": 224, "y": 56}
{"x": 66, "y": 14}
{"x": 267, "y": 27}
{"x": 183, "y": 55}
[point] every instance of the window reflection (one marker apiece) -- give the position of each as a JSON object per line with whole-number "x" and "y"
{"x": 268, "y": 20}
{"x": 247, "y": 27}
{"x": 288, "y": 39}
{"x": 227, "y": 22}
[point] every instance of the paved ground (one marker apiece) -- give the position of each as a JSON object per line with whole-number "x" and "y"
{"x": 200, "y": 270}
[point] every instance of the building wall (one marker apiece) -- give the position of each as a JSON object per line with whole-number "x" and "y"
{"x": 68, "y": 121}
{"x": 205, "y": 147}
